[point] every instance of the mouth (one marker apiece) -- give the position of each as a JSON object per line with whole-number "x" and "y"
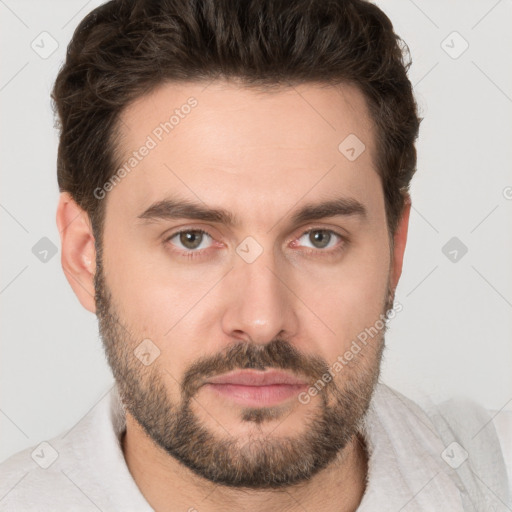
{"x": 254, "y": 388}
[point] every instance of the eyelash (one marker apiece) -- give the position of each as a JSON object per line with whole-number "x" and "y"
{"x": 191, "y": 254}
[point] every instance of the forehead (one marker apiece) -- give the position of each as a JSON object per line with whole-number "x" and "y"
{"x": 224, "y": 144}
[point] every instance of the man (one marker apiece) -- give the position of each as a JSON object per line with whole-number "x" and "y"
{"x": 234, "y": 208}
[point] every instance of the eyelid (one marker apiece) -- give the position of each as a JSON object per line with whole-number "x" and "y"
{"x": 171, "y": 233}
{"x": 167, "y": 238}
{"x": 344, "y": 240}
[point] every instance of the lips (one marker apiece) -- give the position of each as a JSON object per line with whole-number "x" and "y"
{"x": 254, "y": 388}
{"x": 257, "y": 378}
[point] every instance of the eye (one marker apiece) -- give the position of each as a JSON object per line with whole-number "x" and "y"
{"x": 195, "y": 243}
{"x": 191, "y": 240}
{"x": 321, "y": 238}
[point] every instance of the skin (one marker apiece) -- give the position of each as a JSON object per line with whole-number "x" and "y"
{"x": 261, "y": 156}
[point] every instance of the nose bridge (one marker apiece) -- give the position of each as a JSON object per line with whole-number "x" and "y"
{"x": 260, "y": 306}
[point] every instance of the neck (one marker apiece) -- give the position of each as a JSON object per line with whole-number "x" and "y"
{"x": 168, "y": 486}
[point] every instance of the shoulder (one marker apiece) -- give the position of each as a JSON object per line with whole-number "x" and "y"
{"x": 82, "y": 469}
{"x": 32, "y": 478}
{"x": 502, "y": 421}
{"x": 43, "y": 476}
{"x": 478, "y": 446}
{"x": 470, "y": 444}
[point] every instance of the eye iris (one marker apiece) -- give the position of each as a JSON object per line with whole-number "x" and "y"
{"x": 321, "y": 236}
{"x": 191, "y": 239}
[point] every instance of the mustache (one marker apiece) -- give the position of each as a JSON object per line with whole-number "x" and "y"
{"x": 278, "y": 354}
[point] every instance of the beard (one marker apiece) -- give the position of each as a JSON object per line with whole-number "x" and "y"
{"x": 256, "y": 461}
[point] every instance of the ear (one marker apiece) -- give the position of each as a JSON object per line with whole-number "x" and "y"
{"x": 78, "y": 253}
{"x": 400, "y": 240}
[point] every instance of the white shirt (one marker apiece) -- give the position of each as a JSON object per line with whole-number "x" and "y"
{"x": 413, "y": 465}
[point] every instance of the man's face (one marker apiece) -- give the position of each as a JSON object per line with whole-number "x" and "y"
{"x": 269, "y": 291}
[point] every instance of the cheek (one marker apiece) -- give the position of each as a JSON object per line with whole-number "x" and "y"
{"x": 348, "y": 297}
{"x": 153, "y": 306}
{"x": 137, "y": 287}
{"x": 154, "y": 297}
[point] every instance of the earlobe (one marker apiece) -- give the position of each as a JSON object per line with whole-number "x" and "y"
{"x": 400, "y": 241}
{"x": 78, "y": 253}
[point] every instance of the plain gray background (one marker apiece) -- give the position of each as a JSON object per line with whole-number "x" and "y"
{"x": 453, "y": 336}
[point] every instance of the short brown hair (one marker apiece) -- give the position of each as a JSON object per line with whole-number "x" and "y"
{"x": 126, "y": 48}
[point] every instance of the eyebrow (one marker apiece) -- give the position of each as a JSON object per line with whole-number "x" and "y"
{"x": 169, "y": 209}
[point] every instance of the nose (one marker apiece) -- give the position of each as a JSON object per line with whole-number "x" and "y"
{"x": 260, "y": 305}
